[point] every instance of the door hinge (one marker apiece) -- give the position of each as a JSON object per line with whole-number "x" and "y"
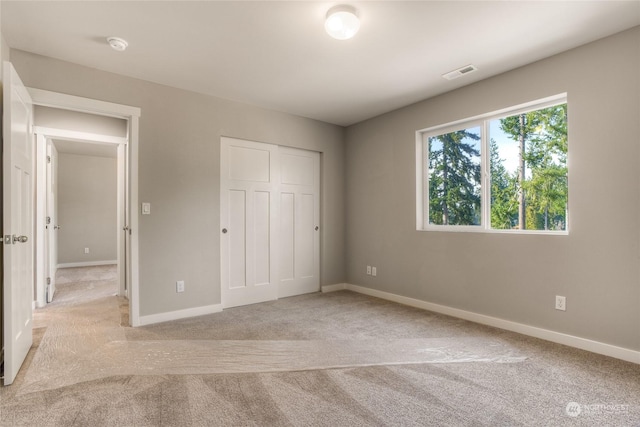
{"x": 48, "y": 159}
{"x": 48, "y": 220}
{"x": 48, "y": 280}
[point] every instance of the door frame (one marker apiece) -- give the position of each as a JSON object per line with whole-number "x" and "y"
{"x": 45, "y": 135}
{"x": 129, "y": 166}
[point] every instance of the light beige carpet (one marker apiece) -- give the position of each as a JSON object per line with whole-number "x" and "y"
{"x": 319, "y": 359}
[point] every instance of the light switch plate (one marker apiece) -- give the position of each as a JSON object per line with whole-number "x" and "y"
{"x": 146, "y": 209}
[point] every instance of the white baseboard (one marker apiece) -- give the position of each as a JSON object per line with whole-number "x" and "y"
{"x": 87, "y": 263}
{"x": 333, "y": 288}
{"x": 179, "y": 314}
{"x": 545, "y": 334}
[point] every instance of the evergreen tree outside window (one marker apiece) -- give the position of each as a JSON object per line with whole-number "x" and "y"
{"x": 503, "y": 171}
{"x": 454, "y": 178}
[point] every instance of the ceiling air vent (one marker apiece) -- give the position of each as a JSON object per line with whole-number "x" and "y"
{"x": 467, "y": 69}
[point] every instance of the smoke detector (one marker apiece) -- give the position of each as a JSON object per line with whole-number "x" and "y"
{"x": 117, "y": 43}
{"x": 467, "y": 69}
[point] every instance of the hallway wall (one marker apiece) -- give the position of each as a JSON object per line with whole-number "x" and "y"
{"x": 87, "y": 209}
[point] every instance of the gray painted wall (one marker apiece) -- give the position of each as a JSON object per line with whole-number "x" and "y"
{"x": 515, "y": 277}
{"x": 80, "y": 122}
{"x": 179, "y": 175}
{"x": 86, "y": 208}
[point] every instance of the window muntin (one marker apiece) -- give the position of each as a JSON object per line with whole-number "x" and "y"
{"x": 496, "y": 171}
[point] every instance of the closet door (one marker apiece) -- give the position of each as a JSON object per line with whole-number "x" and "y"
{"x": 299, "y": 235}
{"x": 248, "y": 219}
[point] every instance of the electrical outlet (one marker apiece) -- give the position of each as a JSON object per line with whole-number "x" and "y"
{"x": 368, "y": 270}
{"x": 86, "y": 250}
{"x": 374, "y": 271}
{"x": 180, "y": 286}
{"x": 561, "y": 303}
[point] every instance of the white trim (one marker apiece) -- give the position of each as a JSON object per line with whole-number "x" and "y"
{"x": 121, "y": 206}
{"x": 87, "y": 263}
{"x": 132, "y": 115}
{"x": 545, "y": 334}
{"x": 333, "y": 288}
{"x": 420, "y": 181}
{"x": 44, "y": 134}
{"x": 41, "y": 213}
{"x": 46, "y": 98}
{"x": 72, "y": 135}
{"x": 179, "y": 314}
{"x": 481, "y": 229}
{"x": 134, "y": 268}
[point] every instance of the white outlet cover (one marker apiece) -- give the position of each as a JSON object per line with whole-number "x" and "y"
{"x": 180, "y": 286}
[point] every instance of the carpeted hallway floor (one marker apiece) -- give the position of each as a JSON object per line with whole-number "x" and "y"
{"x": 338, "y": 359}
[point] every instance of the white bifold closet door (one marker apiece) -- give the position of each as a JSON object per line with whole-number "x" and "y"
{"x": 269, "y": 220}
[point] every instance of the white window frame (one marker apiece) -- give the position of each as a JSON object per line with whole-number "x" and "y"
{"x": 482, "y": 121}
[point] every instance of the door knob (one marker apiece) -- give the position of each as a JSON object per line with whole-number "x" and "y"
{"x": 21, "y": 239}
{"x": 224, "y": 231}
{"x": 317, "y": 228}
{"x": 57, "y": 227}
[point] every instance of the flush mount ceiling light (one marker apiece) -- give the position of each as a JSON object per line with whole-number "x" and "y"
{"x": 342, "y": 23}
{"x": 117, "y": 43}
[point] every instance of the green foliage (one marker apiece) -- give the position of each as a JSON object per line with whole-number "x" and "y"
{"x": 545, "y": 185}
{"x": 454, "y": 179}
{"x": 504, "y": 192}
{"x": 527, "y": 129}
{"x": 537, "y": 191}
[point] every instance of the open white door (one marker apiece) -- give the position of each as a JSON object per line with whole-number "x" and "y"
{"x": 52, "y": 226}
{"x": 18, "y": 222}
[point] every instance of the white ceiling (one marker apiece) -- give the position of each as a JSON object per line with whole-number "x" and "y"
{"x": 86, "y": 148}
{"x": 276, "y": 54}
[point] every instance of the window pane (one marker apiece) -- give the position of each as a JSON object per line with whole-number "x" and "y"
{"x": 528, "y": 167}
{"x": 454, "y": 178}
